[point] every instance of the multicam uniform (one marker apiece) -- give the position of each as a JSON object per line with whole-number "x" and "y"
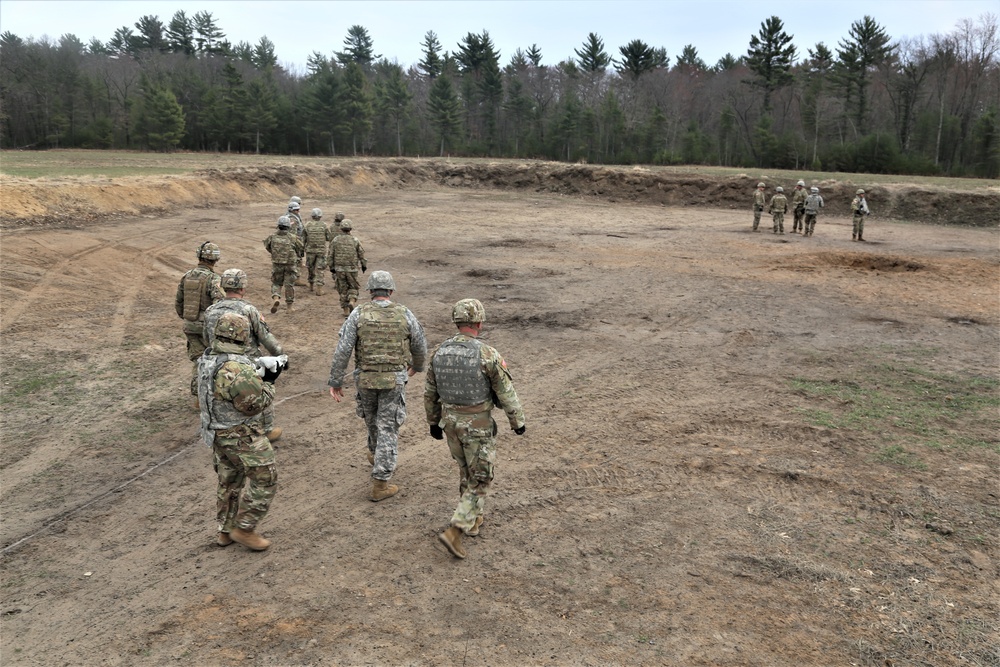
{"x": 465, "y": 380}
{"x": 798, "y": 208}
{"x": 758, "y": 207}
{"x": 387, "y": 339}
{"x": 814, "y": 203}
{"x": 346, "y": 255}
{"x": 859, "y": 207}
{"x": 260, "y": 337}
{"x": 316, "y": 235}
{"x": 198, "y": 289}
{"x": 233, "y": 399}
{"x": 777, "y": 208}
{"x": 285, "y": 249}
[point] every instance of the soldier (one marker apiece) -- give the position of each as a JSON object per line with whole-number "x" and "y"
{"x": 465, "y": 381}
{"x": 758, "y": 205}
{"x": 346, "y": 253}
{"x": 285, "y": 249}
{"x": 777, "y": 208}
{"x": 389, "y": 347}
{"x": 198, "y": 289}
{"x": 814, "y": 202}
{"x": 859, "y": 207}
{"x": 316, "y": 236}
{"x": 798, "y": 207}
{"x": 234, "y": 282}
{"x": 294, "y": 206}
{"x": 233, "y": 396}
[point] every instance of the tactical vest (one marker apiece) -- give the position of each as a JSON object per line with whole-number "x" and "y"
{"x": 458, "y": 372}
{"x": 813, "y": 202}
{"x": 283, "y": 249}
{"x": 345, "y": 253}
{"x": 240, "y": 307}
{"x": 779, "y": 203}
{"x": 221, "y": 414}
{"x": 316, "y": 237}
{"x": 382, "y": 335}
{"x": 196, "y": 297}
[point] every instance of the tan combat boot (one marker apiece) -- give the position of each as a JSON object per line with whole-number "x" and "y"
{"x": 382, "y": 490}
{"x": 371, "y": 457}
{"x": 311, "y": 289}
{"x": 274, "y": 434}
{"x": 452, "y": 539}
{"x": 319, "y": 290}
{"x": 289, "y": 307}
{"x": 347, "y": 311}
{"x": 472, "y": 532}
{"x": 249, "y": 539}
{"x": 354, "y": 303}
{"x": 223, "y": 539}
{"x": 275, "y": 303}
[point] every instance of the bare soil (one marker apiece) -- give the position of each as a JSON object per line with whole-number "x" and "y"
{"x": 683, "y": 495}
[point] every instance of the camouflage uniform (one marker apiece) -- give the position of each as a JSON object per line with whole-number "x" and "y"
{"x": 814, "y": 203}
{"x": 758, "y": 206}
{"x": 777, "y": 208}
{"x": 316, "y": 235}
{"x": 232, "y": 399}
{"x": 859, "y": 207}
{"x": 197, "y": 290}
{"x": 465, "y": 380}
{"x": 798, "y": 208}
{"x": 387, "y": 340}
{"x": 285, "y": 249}
{"x": 260, "y": 336}
{"x": 346, "y": 254}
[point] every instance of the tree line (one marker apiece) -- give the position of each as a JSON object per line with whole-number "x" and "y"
{"x": 927, "y": 105}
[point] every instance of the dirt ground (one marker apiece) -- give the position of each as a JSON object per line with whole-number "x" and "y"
{"x": 689, "y": 490}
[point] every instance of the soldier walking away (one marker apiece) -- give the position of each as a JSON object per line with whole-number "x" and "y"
{"x": 298, "y": 229}
{"x": 777, "y": 208}
{"x": 389, "y": 347}
{"x": 234, "y": 282}
{"x": 466, "y": 379}
{"x": 798, "y": 207}
{"x": 198, "y": 289}
{"x": 315, "y": 238}
{"x": 346, "y": 255}
{"x": 233, "y": 395}
{"x": 758, "y": 205}
{"x": 286, "y": 250}
{"x": 859, "y": 207}
{"x": 814, "y": 202}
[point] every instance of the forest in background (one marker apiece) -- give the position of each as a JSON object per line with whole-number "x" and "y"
{"x": 927, "y": 105}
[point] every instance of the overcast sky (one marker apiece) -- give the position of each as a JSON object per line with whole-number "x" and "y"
{"x": 714, "y": 27}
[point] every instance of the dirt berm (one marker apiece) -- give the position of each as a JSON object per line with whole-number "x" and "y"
{"x": 69, "y": 201}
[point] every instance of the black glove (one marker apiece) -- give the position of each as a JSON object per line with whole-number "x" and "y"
{"x": 364, "y": 267}
{"x": 436, "y": 432}
{"x": 271, "y": 376}
{"x": 519, "y": 430}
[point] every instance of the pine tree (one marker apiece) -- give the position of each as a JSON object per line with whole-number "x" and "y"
{"x": 443, "y": 107}
{"x": 637, "y": 59}
{"x": 431, "y": 65}
{"x": 161, "y": 119}
{"x": 358, "y": 106}
{"x": 393, "y": 98}
{"x": 180, "y": 34}
{"x": 208, "y": 37}
{"x": 770, "y": 57}
{"x": 358, "y": 48}
{"x": 592, "y": 57}
{"x": 866, "y": 46}
{"x": 150, "y": 37}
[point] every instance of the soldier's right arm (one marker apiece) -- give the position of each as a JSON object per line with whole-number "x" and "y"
{"x": 263, "y": 334}
{"x": 432, "y": 402}
{"x": 503, "y": 387}
{"x": 348, "y": 337}
{"x": 179, "y": 299}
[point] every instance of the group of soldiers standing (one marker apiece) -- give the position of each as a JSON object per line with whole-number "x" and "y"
{"x": 234, "y": 382}
{"x": 805, "y": 207}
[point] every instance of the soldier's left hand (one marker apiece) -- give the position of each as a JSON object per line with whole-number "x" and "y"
{"x": 519, "y": 430}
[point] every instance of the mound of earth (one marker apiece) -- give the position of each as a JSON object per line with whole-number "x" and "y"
{"x": 71, "y": 201}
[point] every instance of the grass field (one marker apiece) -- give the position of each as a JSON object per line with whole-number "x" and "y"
{"x": 117, "y": 164}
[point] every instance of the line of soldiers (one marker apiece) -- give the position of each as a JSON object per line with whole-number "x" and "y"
{"x": 805, "y": 207}
{"x": 234, "y": 384}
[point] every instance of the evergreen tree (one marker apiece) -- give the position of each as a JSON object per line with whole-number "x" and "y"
{"x": 637, "y": 59}
{"x": 431, "y": 65}
{"x": 264, "y": 57}
{"x": 262, "y": 99}
{"x": 123, "y": 42}
{"x": 443, "y": 107}
{"x": 393, "y": 97}
{"x": 358, "y": 48}
{"x": 325, "y": 106}
{"x": 518, "y": 108}
{"x": 818, "y": 70}
{"x": 867, "y": 45}
{"x": 770, "y": 57}
{"x": 727, "y": 62}
{"x": 208, "y": 38}
{"x": 358, "y": 105}
{"x": 690, "y": 59}
{"x": 180, "y": 34}
{"x": 592, "y": 57}
{"x": 151, "y": 34}
{"x": 534, "y": 54}
{"x": 161, "y": 119}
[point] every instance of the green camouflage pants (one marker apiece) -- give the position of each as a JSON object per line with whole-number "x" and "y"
{"x": 195, "y": 346}
{"x": 859, "y": 226}
{"x": 756, "y": 217}
{"x": 779, "y": 222}
{"x": 347, "y": 286}
{"x": 472, "y": 442}
{"x": 384, "y": 411}
{"x": 810, "y": 224}
{"x": 284, "y": 275}
{"x": 316, "y": 263}
{"x": 238, "y": 461}
{"x": 798, "y": 214}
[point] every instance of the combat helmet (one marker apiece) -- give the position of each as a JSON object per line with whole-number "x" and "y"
{"x": 338, "y": 216}
{"x": 209, "y": 252}
{"x": 802, "y": 183}
{"x": 814, "y": 190}
{"x": 233, "y": 327}
{"x": 317, "y": 214}
{"x": 859, "y": 192}
{"x": 233, "y": 279}
{"x": 779, "y": 189}
{"x": 380, "y": 280}
{"x": 295, "y": 199}
{"x": 293, "y": 206}
{"x": 468, "y": 311}
{"x": 346, "y": 225}
{"x": 761, "y": 185}
{"x": 284, "y": 222}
